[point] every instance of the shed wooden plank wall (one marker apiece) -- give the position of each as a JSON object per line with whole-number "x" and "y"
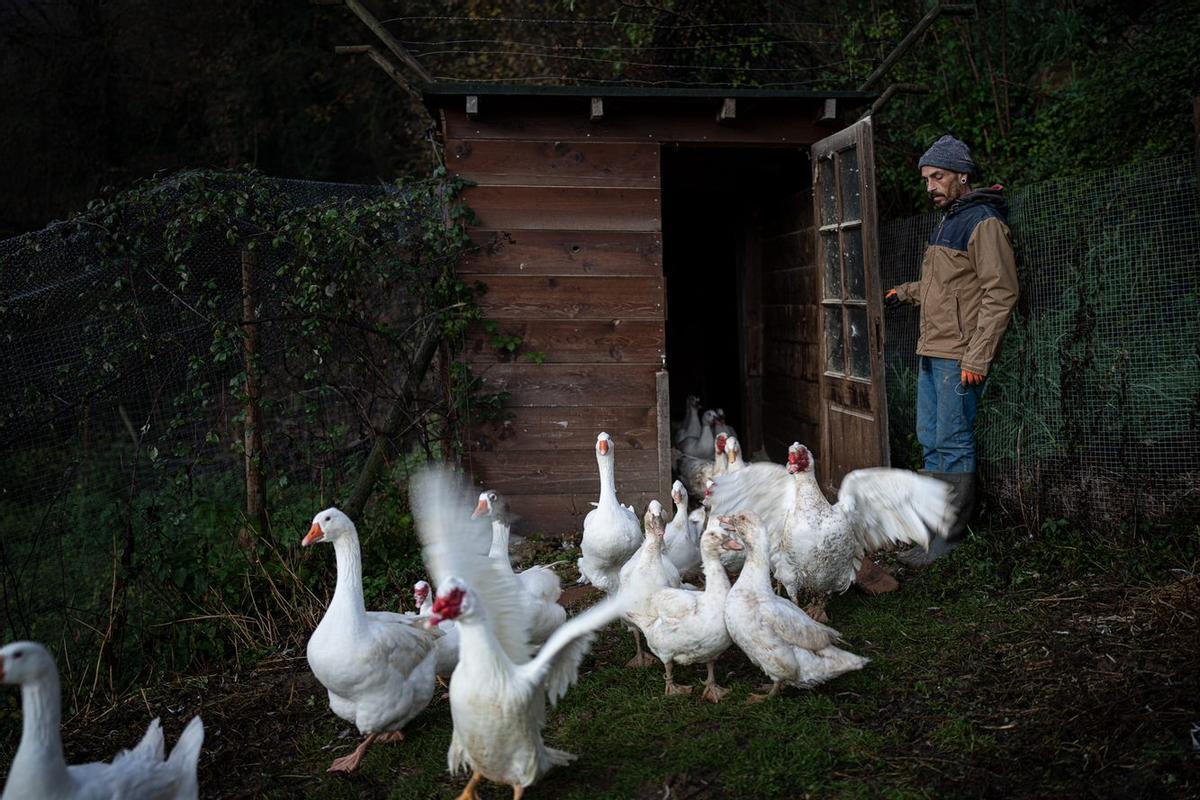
{"x": 571, "y": 252}
{"x": 791, "y": 350}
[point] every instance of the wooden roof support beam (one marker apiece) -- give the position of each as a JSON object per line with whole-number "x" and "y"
{"x": 939, "y": 8}
{"x": 890, "y": 92}
{"x": 597, "y": 112}
{"x": 381, "y": 61}
{"x": 377, "y": 28}
{"x": 728, "y": 110}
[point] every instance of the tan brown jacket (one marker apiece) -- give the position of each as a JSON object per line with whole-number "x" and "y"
{"x": 968, "y": 286}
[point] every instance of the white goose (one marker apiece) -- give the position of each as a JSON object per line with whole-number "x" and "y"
{"x": 688, "y": 627}
{"x": 721, "y": 426}
{"x": 39, "y": 769}
{"x": 378, "y": 667}
{"x": 541, "y": 584}
{"x": 611, "y": 533}
{"x": 783, "y": 641}
{"x": 447, "y": 643}
{"x": 681, "y": 544}
{"x": 645, "y": 573}
{"x": 690, "y": 426}
{"x": 818, "y": 548}
{"x": 695, "y": 472}
{"x": 732, "y": 560}
{"x": 701, "y": 446}
{"x": 498, "y": 693}
{"x": 733, "y": 456}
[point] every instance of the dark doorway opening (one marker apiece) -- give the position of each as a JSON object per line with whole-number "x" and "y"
{"x": 716, "y": 205}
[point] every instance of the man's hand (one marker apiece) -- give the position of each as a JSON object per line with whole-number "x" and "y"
{"x": 891, "y": 299}
{"x": 972, "y": 378}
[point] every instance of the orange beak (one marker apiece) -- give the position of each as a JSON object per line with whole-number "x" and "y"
{"x": 315, "y": 534}
{"x": 480, "y": 509}
{"x": 603, "y": 447}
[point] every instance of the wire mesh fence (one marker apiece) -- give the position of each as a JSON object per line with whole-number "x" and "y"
{"x": 1092, "y": 411}
{"x": 168, "y": 344}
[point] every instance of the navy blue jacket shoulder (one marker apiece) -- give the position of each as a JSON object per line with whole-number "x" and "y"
{"x": 956, "y": 227}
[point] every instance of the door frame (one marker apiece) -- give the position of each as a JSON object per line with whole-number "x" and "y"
{"x": 854, "y": 137}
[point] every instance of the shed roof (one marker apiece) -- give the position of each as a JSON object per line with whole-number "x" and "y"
{"x": 457, "y": 89}
{"x": 440, "y": 94}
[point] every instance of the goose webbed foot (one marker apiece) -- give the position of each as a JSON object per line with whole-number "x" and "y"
{"x": 712, "y": 692}
{"x": 642, "y": 659}
{"x": 470, "y": 792}
{"x": 349, "y": 763}
{"x": 758, "y": 698}
{"x": 816, "y": 610}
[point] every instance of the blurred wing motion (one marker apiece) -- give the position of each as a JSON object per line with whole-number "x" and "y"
{"x": 889, "y": 506}
{"x": 456, "y": 545}
{"x": 557, "y": 663}
{"x": 766, "y": 489}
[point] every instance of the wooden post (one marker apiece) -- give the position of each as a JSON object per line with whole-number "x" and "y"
{"x": 662, "y": 387}
{"x": 891, "y": 92}
{"x": 908, "y": 41}
{"x": 750, "y": 332}
{"x": 399, "y": 52}
{"x": 1196, "y": 127}
{"x": 381, "y": 61}
{"x": 256, "y": 495}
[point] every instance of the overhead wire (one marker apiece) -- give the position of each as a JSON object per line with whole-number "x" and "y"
{"x": 646, "y": 64}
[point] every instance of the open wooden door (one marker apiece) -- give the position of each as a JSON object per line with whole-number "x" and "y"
{"x": 853, "y": 392}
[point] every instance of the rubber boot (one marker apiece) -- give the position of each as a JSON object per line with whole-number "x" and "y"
{"x": 874, "y": 579}
{"x": 962, "y": 504}
{"x": 962, "y": 498}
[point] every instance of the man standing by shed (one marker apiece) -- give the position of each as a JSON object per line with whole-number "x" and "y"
{"x": 967, "y": 291}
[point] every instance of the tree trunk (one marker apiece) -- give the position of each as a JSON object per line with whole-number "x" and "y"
{"x": 370, "y": 471}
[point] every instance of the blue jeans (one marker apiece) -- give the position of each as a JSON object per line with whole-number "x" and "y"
{"x": 946, "y": 415}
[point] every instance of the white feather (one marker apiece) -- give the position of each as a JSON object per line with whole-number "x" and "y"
{"x": 456, "y": 545}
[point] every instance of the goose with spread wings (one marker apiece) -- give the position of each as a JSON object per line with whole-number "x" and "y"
{"x": 499, "y": 689}
{"x": 817, "y": 547}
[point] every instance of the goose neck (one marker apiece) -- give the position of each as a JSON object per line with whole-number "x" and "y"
{"x": 479, "y": 649}
{"x": 808, "y": 493}
{"x": 39, "y": 769}
{"x": 608, "y": 480}
{"x": 757, "y": 569}
{"x": 716, "y": 579}
{"x": 500, "y": 535}
{"x": 652, "y": 547}
{"x": 348, "y": 594}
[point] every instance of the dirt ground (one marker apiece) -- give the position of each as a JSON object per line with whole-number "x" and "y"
{"x": 1088, "y": 687}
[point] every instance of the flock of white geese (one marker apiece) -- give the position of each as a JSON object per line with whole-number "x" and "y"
{"x": 504, "y": 643}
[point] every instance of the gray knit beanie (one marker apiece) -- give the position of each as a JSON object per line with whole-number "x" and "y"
{"x": 949, "y": 153}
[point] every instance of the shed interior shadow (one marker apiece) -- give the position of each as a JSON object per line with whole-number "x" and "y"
{"x": 716, "y": 203}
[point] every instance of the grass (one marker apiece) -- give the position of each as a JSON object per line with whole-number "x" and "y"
{"x": 1019, "y": 667}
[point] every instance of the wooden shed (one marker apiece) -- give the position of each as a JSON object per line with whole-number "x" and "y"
{"x": 655, "y": 243}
